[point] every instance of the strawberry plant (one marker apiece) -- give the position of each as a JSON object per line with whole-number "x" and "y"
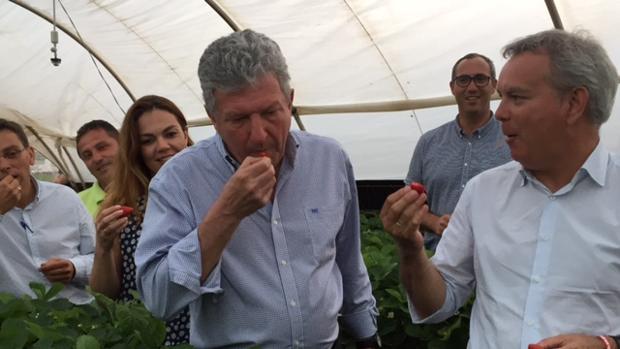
{"x": 49, "y": 322}
{"x": 395, "y": 327}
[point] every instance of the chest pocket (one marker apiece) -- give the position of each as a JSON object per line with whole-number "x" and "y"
{"x": 324, "y": 223}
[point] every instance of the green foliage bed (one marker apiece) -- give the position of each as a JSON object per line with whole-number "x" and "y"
{"x": 45, "y": 322}
{"x": 395, "y": 327}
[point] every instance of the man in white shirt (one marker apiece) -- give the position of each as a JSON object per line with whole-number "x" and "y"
{"x": 47, "y": 235}
{"x": 539, "y": 237}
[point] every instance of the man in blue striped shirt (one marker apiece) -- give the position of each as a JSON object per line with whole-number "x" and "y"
{"x": 256, "y": 228}
{"x": 447, "y": 157}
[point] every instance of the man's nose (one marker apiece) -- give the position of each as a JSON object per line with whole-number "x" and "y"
{"x": 5, "y": 166}
{"x": 97, "y": 157}
{"x": 257, "y": 129}
{"x": 500, "y": 112}
{"x": 472, "y": 86}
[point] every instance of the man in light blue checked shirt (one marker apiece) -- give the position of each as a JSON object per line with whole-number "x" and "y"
{"x": 256, "y": 228}
{"x": 448, "y": 156}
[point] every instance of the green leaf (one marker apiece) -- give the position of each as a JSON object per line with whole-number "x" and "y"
{"x": 13, "y": 334}
{"x": 38, "y": 289}
{"x": 87, "y": 342}
{"x": 54, "y": 290}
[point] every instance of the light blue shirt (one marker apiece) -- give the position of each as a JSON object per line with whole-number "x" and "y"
{"x": 543, "y": 263}
{"x": 54, "y": 225}
{"x": 288, "y": 272}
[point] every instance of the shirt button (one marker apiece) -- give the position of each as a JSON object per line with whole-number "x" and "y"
{"x": 275, "y": 221}
{"x": 283, "y": 262}
{"x": 297, "y": 343}
{"x": 293, "y": 303}
{"x": 530, "y": 323}
{"x": 536, "y": 279}
{"x": 465, "y": 164}
{"x": 551, "y": 197}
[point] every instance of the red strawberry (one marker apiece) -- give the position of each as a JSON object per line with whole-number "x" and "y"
{"x": 263, "y": 154}
{"x": 535, "y": 346}
{"x": 418, "y": 187}
{"x": 126, "y": 211}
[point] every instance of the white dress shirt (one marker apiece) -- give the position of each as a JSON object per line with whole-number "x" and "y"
{"x": 54, "y": 225}
{"x": 542, "y": 263}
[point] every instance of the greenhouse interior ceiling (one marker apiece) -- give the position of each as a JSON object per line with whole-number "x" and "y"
{"x": 372, "y": 74}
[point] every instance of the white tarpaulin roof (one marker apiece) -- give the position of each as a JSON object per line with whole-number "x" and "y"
{"x": 339, "y": 53}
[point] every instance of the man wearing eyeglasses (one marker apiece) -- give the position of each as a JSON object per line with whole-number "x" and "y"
{"x": 47, "y": 235}
{"x": 447, "y": 157}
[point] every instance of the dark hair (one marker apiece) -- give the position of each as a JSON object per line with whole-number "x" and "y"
{"x": 131, "y": 175}
{"x": 472, "y": 56}
{"x": 239, "y": 60}
{"x": 15, "y": 128}
{"x": 576, "y": 60}
{"x": 96, "y": 125}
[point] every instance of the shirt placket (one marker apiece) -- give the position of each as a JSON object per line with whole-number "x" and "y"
{"x": 535, "y": 295}
{"x": 466, "y": 162}
{"x": 288, "y": 278}
{"x": 27, "y": 229}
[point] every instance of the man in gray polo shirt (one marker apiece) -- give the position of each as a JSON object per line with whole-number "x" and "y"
{"x": 445, "y": 158}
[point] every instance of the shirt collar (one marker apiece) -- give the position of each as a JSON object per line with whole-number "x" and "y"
{"x": 99, "y": 190}
{"x": 596, "y": 164}
{"x": 489, "y": 126}
{"x": 37, "y": 193}
{"x": 595, "y": 167}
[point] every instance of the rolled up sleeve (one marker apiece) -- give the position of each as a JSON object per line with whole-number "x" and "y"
{"x": 454, "y": 260}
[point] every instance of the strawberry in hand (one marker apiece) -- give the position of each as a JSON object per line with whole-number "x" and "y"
{"x": 126, "y": 211}
{"x": 418, "y": 187}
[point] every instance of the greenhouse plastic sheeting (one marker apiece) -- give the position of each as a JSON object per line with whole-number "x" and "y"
{"x": 339, "y": 53}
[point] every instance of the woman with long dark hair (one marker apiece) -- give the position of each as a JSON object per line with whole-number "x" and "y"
{"x": 153, "y": 131}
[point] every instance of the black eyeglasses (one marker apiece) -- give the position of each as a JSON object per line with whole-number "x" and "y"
{"x": 480, "y": 80}
{"x": 11, "y": 154}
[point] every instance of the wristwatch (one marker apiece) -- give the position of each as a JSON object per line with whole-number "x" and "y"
{"x": 369, "y": 342}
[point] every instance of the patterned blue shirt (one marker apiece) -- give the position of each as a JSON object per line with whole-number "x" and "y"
{"x": 446, "y": 158}
{"x": 290, "y": 269}
{"x": 542, "y": 264}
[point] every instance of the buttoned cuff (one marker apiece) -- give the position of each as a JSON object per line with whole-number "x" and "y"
{"x": 82, "y": 269}
{"x": 185, "y": 266}
{"x": 362, "y": 324}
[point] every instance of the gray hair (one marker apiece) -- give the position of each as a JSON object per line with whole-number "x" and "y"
{"x": 238, "y": 60}
{"x": 577, "y": 60}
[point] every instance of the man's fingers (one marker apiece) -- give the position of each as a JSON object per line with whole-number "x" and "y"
{"x": 413, "y": 212}
{"x": 59, "y": 278}
{"x": 60, "y": 272}
{"x": 393, "y": 208}
{"x": 52, "y": 265}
